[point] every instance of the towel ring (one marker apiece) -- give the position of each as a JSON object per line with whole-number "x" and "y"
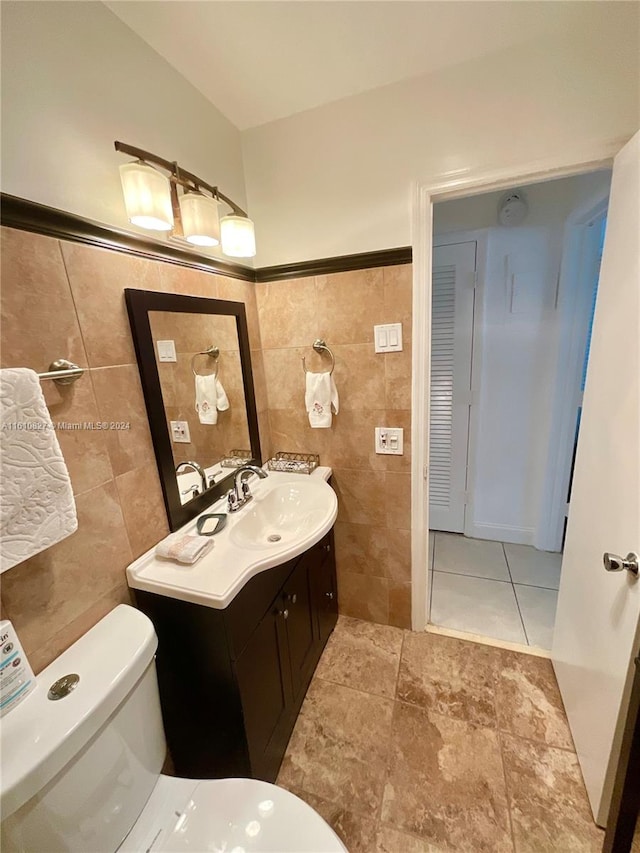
{"x": 212, "y": 352}
{"x": 320, "y": 346}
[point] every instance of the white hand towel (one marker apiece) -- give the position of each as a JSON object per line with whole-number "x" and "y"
{"x": 184, "y": 548}
{"x": 37, "y": 508}
{"x": 320, "y": 399}
{"x": 222, "y": 401}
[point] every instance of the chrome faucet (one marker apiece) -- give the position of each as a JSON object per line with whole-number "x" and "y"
{"x": 240, "y": 494}
{"x": 197, "y": 468}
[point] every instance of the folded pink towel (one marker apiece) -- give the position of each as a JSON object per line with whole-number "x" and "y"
{"x": 184, "y": 548}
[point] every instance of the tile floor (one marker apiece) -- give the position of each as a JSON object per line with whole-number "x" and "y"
{"x": 419, "y": 743}
{"x": 507, "y": 592}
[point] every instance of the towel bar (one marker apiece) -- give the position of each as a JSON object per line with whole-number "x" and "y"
{"x": 62, "y": 372}
{"x": 320, "y": 346}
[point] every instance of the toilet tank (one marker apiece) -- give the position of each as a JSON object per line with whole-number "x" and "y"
{"x": 77, "y": 772}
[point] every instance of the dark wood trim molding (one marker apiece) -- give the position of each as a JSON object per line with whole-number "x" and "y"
{"x": 31, "y": 216}
{"x": 342, "y": 263}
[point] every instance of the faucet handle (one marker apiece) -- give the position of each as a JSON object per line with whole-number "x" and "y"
{"x": 194, "y": 491}
{"x": 232, "y": 500}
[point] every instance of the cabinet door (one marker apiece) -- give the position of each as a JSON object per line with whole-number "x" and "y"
{"x": 264, "y": 681}
{"x": 300, "y": 620}
{"x": 326, "y": 591}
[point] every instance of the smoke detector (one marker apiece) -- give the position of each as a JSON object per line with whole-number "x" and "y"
{"x": 513, "y": 208}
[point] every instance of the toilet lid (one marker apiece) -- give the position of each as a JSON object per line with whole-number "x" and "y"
{"x": 247, "y": 816}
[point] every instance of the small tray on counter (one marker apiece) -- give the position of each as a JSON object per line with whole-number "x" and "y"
{"x": 236, "y": 459}
{"x": 293, "y": 463}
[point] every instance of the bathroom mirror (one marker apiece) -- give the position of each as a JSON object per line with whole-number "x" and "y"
{"x": 195, "y": 367}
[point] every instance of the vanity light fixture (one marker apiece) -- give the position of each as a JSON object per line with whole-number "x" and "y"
{"x": 152, "y": 201}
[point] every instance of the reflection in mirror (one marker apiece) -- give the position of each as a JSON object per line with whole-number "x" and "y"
{"x": 198, "y": 361}
{"x": 195, "y": 367}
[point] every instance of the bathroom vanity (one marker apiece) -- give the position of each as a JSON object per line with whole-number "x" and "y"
{"x": 241, "y": 632}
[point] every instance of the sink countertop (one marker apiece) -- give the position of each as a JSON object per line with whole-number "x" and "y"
{"x": 216, "y": 578}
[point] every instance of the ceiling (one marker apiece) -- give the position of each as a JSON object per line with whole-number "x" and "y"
{"x": 261, "y": 61}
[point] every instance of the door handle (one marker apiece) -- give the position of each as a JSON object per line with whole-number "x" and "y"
{"x": 614, "y": 563}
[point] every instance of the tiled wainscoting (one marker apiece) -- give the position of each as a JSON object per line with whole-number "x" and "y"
{"x": 373, "y": 549}
{"x": 65, "y": 300}
{"x": 62, "y": 299}
{"x": 417, "y": 743}
{"x": 495, "y": 589}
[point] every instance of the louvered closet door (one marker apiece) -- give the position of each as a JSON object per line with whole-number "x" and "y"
{"x": 451, "y": 346}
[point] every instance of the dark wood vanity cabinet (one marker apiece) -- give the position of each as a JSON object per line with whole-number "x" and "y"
{"x": 232, "y": 681}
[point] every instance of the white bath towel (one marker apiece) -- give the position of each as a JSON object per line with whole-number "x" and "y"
{"x": 184, "y": 548}
{"x": 37, "y": 508}
{"x": 321, "y": 399}
{"x": 211, "y": 398}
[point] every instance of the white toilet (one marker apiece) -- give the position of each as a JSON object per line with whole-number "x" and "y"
{"x": 82, "y": 773}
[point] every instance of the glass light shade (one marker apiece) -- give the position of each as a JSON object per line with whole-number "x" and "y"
{"x": 147, "y": 196}
{"x": 238, "y": 236}
{"x": 200, "y": 222}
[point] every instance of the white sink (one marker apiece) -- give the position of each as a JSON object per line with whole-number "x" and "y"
{"x": 288, "y": 514}
{"x": 284, "y": 514}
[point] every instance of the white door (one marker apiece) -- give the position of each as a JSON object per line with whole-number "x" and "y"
{"x": 596, "y": 631}
{"x": 451, "y": 342}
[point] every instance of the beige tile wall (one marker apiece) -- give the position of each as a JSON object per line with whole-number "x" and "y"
{"x": 192, "y": 335}
{"x": 65, "y": 300}
{"x": 373, "y": 528}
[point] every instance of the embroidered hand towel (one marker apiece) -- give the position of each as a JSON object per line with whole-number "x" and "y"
{"x": 37, "y": 508}
{"x": 206, "y": 393}
{"x": 321, "y": 398}
{"x": 211, "y": 398}
{"x": 184, "y": 548}
{"x": 222, "y": 401}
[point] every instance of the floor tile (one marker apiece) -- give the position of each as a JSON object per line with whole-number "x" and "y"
{"x": 356, "y": 831}
{"x": 362, "y": 655}
{"x": 392, "y": 841}
{"x": 464, "y": 556}
{"x": 549, "y": 807}
{"x": 477, "y": 606}
{"x": 446, "y": 783}
{"x": 538, "y": 611}
{"x": 530, "y": 566}
{"x": 528, "y": 701}
{"x": 339, "y": 747}
{"x": 450, "y": 677}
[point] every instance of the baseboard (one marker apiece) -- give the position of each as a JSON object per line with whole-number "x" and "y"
{"x": 501, "y": 533}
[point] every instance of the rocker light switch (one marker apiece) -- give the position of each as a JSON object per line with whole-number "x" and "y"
{"x": 166, "y": 350}
{"x": 388, "y": 338}
{"x": 389, "y": 440}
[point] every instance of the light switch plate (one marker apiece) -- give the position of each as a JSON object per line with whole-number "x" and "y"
{"x": 388, "y": 338}
{"x": 180, "y": 432}
{"x": 390, "y": 440}
{"x": 166, "y": 351}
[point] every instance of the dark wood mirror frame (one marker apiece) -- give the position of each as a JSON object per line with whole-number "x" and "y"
{"x": 139, "y": 304}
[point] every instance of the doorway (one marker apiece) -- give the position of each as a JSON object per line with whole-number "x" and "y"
{"x": 512, "y": 307}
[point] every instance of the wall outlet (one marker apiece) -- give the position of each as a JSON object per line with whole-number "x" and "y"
{"x": 388, "y": 338}
{"x": 180, "y": 432}
{"x": 166, "y": 350}
{"x": 389, "y": 440}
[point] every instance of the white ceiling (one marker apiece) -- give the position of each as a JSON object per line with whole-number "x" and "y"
{"x": 261, "y": 61}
